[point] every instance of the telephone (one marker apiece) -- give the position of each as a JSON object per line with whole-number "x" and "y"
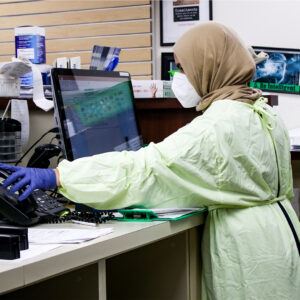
{"x": 42, "y": 154}
{"x": 37, "y": 208}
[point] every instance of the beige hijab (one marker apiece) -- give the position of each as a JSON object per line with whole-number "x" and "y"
{"x": 217, "y": 64}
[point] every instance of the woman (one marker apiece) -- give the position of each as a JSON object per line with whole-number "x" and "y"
{"x": 234, "y": 160}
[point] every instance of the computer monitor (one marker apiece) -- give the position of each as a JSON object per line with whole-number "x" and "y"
{"x": 94, "y": 111}
{"x": 279, "y": 73}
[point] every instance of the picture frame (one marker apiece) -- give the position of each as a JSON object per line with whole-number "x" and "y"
{"x": 167, "y": 65}
{"x": 178, "y": 16}
{"x": 280, "y": 72}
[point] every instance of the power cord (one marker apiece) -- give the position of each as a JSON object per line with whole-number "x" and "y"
{"x": 52, "y": 130}
{"x": 56, "y": 137}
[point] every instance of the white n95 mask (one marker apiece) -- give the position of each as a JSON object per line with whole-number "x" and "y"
{"x": 184, "y": 91}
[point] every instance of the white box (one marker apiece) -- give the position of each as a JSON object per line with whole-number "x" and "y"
{"x": 62, "y": 62}
{"x": 75, "y": 62}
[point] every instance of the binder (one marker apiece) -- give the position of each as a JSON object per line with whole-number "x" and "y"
{"x": 156, "y": 214}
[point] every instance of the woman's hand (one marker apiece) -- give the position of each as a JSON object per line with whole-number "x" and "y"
{"x": 26, "y": 180}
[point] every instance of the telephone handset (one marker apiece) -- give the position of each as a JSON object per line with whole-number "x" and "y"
{"x": 37, "y": 208}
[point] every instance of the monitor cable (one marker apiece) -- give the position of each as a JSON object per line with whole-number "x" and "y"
{"x": 52, "y": 130}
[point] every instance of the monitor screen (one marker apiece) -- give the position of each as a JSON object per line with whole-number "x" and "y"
{"x": 94, "y": 111}
{"x": 280, "y": 72}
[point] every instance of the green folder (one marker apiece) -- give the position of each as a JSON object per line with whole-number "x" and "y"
{"x": 148, "y": 215}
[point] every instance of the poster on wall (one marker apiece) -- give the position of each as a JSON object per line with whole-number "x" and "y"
{"x": 280, "y": 72}
{"x": 177, "y": 16}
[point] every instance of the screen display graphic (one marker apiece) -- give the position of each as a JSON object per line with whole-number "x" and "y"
{"x": 280, "y": 72}
{"x": 96, "y": 114}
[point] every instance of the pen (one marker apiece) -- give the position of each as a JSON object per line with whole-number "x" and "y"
{"x": 84, "y": 223}
{"x": 112, "y": 64}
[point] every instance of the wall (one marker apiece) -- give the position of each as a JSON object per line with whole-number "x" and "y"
{"x": 72, "y": 28}
{"x": 273, "y": 23}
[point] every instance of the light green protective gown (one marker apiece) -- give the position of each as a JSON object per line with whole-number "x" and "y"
{"x": 224, "y": 160}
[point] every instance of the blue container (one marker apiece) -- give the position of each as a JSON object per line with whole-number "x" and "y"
{"x": 30, "y": 44}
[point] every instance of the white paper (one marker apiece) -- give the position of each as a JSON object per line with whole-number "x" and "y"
{"x": 295, "y": 137}
{"x": 173, "y": 213}
{"x": 64, "y": 236}
{"x": 174, "y": 210}
{"x": 38, "y": 90}
{"x": 19, "y": 111}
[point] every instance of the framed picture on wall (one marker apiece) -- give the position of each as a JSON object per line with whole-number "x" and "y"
{"x": 167, "y": 65}
{"x": 178, "y": 16}
{"x": 280, "y": 73}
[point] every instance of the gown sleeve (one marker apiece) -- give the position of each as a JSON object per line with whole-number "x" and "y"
{"x": 219, "y": 160}
{"x": 180, "y": 171}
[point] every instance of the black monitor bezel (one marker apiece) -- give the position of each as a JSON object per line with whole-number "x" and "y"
{"x": 58, "y": 101}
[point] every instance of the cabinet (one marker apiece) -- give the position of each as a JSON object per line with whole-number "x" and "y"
{"x": 158, "y": 118}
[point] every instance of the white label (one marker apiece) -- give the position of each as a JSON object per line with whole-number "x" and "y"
{"x": 26, "y": 53}
{"x": 124, "y": 74}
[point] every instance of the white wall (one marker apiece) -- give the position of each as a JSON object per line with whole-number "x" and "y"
{"x": 273, "y": 23}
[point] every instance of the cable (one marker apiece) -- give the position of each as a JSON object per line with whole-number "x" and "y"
{"x": 57, "y": 137}
{"x": 59, "y": 159}
{"x": 52, "y": 130}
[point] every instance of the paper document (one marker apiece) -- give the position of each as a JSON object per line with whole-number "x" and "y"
{"x": 295, "y": 138}
{"x": 174, "y": 213}
{"x": 64, "y": 236}
{"x": 38, "y": 90}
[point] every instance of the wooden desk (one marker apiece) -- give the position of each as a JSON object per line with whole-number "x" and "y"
{"x": 139, "y": 260}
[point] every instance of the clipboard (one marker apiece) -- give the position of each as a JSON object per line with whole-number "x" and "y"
{"x": 149, "y": 215}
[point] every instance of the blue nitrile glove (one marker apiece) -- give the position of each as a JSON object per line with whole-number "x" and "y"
{"x": 28, "y": 179}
